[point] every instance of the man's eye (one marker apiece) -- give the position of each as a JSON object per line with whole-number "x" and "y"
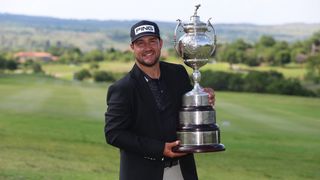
{"x": 153, "y": 41}
{"x": 139, "y": 43}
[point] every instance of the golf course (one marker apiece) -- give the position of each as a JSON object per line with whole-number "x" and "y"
{"x": 53, "y": 129}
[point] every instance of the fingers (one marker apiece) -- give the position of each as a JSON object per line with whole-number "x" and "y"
{"x": 211, "y": 93}
{"x": 168, "y": 150}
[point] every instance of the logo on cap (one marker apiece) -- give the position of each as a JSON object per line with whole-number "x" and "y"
{"x": 143, "y": 29}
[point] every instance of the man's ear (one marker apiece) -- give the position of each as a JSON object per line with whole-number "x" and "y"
{"x": 131, "y": 45}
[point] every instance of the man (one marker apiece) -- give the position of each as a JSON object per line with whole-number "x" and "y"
{"x": 143, "y": 109}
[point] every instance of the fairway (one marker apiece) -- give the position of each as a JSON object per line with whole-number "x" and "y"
{"x": 53, "y": 129}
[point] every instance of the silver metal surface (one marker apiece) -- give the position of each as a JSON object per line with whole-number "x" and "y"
{"x": 197, "y": 117}
{"x": 196, "y": 45}
{"x": 198, "y": 138}
{"x": 195, "y": 98}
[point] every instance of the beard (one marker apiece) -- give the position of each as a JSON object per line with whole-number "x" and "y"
{"x": 148, "y": 64}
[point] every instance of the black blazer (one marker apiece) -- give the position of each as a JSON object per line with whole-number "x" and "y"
{"x": 133, "y": 123}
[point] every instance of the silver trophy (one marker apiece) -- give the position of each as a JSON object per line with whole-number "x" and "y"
{"x": 197, "y": 130}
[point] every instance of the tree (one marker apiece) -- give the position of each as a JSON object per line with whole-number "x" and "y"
{"x": 72, "y": 57}
{"x": 251, "y": 58}
{"x": 282, "y": 57}
{"x": 11, "y": 65}
{"x": 266, "y": 41}
{"x": 241, "y": 45}
{"x": 231, "y": 55}
{"x": 2, "y": 62}
{"x": 313, "y": 68}
{"x": 36, "y": 68}
{"x": 56, "y": 50}
{"x": 282, "y": 45}
{"x": 94, "y": 56}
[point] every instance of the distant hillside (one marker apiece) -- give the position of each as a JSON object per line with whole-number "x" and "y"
{"x": 20, "y": 32}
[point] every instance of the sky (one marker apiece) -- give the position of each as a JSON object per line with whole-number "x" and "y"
{"x": 261, "y": 12}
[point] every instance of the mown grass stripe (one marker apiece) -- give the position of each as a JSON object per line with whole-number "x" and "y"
{"x": 61, "y": 135}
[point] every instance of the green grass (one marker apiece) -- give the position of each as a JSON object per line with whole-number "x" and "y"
{"x": 63, "y": 71}
{"x": 267, "y": 137}
{"x": 66, "y": 71}
{"x": 53, "y": 129}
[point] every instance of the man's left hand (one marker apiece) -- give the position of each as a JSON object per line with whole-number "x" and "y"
{"x": 210, "y": 91}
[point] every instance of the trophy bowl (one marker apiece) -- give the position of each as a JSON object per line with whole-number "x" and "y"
{"x": 197, "y": 130}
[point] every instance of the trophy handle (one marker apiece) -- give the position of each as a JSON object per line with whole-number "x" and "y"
{"x": 175, "y": 45}
{"x": 209, "y": 25}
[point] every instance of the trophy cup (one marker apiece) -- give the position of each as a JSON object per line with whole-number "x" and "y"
{"x": 197, "y": 130}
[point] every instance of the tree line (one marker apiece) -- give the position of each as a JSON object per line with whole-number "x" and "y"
{"x": 269, "y": 52}
{"x": 266, "y": 51}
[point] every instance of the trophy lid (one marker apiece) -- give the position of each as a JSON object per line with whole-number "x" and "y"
{"x": 195, "y": 24}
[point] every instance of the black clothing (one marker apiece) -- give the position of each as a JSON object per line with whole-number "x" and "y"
{"x": 158, "y": 89}
{"x": 139, "y": 127}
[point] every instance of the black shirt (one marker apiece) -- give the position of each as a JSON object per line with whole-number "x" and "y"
{"x": 158, "y": 89}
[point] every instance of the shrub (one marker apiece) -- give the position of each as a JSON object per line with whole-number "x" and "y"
{"x": 236, "y": 82}
{"x": 2, "y": 62}
{"x": 94, "y": 66}
{"x": 82, "y": 74}
{"x": 256, "y": 81}
{"x": 288, "y": 87}
{"x": 219, "y": 80}
{"x": 103, "y": 76}
{"x": 36, "y": 68}
{"x": 11, "y": 65}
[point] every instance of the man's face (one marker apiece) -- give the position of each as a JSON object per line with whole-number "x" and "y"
{"x": 147, "y": 50}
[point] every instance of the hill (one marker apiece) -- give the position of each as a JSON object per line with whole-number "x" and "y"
{"x": 33, "y": 32}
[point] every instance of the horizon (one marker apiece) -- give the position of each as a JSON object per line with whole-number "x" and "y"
{"x": 259, "y": 12}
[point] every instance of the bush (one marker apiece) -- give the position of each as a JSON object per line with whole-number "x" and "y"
{"x": 219, "y": 80}
{"x": 36, "y": 68}
{"x": 103, "y": 76}
{"x": 313, "y": 68}
{"x": 82, "y": 74}
{"x": 2, "y": 62}
{"x": 94, "y": 66}
{"x": 236, "y": 82}
{"x": 288, "y": 87}
{"x": 252, "y": 62}
{"x": 256, "y": 81}
{"x": 11, "y": 65}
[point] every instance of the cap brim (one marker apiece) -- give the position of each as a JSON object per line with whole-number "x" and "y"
{"x": 144, "y": 34}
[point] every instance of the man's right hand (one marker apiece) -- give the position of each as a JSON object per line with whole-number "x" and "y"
{"x": 168, "y": 150}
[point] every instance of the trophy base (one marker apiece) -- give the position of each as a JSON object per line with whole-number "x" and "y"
{"x": 199, "y": 148}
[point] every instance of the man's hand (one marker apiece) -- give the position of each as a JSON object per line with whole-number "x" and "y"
{"x": 210, "y": 91}
{"x": 168, "y": 150}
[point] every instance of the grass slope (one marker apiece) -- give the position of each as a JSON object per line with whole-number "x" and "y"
{"x": 53, "y": 129}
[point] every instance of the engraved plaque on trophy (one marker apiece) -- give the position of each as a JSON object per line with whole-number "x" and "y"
{"x": 197, "y": 130}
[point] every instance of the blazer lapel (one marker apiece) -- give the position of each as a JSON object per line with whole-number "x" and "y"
{"x": 143, "y": 88}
